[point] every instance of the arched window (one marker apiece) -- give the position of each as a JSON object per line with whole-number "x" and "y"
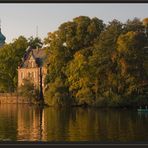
{"x": 22, "y": 75}
{"x": 32, "y": 64}
{"x": 29, "y": 74}
{"x": 34, "y": 75}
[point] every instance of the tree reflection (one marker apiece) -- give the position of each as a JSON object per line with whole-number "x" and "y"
{"x": 31, "y": 124}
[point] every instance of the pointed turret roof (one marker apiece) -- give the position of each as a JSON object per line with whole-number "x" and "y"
{"x": 2, "y": 37}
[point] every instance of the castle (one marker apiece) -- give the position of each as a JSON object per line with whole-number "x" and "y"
{"x": 31, "y": 67}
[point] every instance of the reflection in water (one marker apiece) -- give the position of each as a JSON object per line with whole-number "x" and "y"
{"x": 8, "y": 122}
{"x": 30, "y": 124}
{"x": 23, "y": 122}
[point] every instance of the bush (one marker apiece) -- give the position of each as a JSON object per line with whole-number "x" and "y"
{"x": 29, "y": 91}
{"x": 57, "y": 94}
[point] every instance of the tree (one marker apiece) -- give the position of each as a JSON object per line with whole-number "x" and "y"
{"x": 11, "y": 53}
{"x": 28, "y": 90}
{"x": 79, "y": 78}
{"x": 35, "y": 42}
{"x": 102, "y": 60}
{"x": 64, "y": 43}
{"x": 145, "y": 23}
{"x": 130, "y": 62}
{"x": 57, "y": 93}
{"x": 133, "y": 25}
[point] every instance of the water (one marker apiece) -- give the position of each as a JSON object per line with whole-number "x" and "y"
{"x": 26, "y": 123}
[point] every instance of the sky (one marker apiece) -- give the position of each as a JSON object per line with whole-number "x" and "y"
{"x": 23, "y": 19}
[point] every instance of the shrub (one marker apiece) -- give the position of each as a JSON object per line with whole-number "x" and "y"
{"x": 28, "y": 90}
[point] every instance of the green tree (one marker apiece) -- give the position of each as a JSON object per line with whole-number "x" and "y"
{"x": 65, "y": 42}
{"x": 102, "y": 60}
{"x": 79, "y": 78}
{"x": 130, "y": 64}
{"x": 28, "y": 90}
{"x": 11, "y": 54}
{"x": 133, "y": 25}
{"x": 57, "y": 93}
{"x": 35, "y": 42}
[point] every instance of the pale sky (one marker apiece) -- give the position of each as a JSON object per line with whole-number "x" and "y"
{"x": 23, "y": 19}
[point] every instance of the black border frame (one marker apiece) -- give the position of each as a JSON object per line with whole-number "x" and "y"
{"x": 77, "y": 144}
{"x": 73, "y": 1}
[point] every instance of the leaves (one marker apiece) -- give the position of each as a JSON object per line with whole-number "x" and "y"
{"x": 11, "y": 54}
{"x": 98, "y": 64}
{"x": 89, "y": 62}
{"x": 28, "y": 90}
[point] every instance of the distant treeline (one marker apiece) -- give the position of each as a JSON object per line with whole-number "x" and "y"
{"x": 88, "y": 62}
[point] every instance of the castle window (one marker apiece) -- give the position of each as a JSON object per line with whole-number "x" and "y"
{"x": 22, "y": 75}
{"x": 32, "y": 64}
{"x": 34, "y": 74}
{"x": 29, "y": 74}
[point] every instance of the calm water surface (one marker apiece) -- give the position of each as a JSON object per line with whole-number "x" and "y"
{"x": 26, "y": 123}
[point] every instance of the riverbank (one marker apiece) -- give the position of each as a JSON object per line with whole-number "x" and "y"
{"x": 12, "y": 98}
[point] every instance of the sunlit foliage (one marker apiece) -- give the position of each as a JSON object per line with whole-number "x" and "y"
{"x": 97, "y": 64}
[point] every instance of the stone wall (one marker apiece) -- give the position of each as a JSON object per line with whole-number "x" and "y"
{"x": 12, "y": 98}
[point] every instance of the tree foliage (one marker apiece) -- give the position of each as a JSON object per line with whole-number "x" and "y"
{"x": 10, "y": 56}
{"x": 35, "y": 42}
{"x": 28, "y": 90}
{"x": 88, "y": 62}
{"x": 97, "y": 64}
{"x": 65, "y": 44}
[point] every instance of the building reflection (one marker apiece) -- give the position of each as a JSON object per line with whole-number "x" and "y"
{"x": 31, "y": 124}
{"x": 28, "y": 123}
